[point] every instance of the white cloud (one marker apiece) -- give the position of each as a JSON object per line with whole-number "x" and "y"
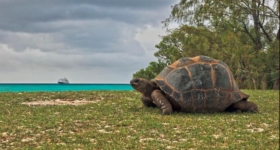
{"x": 34, "y": 65}
{"x": 148, "y": 38}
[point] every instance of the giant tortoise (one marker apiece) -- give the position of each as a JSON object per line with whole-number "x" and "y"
{"x": 198, "y": 85}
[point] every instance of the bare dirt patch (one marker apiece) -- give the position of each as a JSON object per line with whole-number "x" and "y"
{"x": 59, "y": 102}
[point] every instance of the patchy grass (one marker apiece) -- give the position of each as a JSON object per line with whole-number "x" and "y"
{"x": 119, "y": 121}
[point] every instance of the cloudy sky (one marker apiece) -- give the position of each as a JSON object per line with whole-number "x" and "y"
{"x": 87, "y": 41}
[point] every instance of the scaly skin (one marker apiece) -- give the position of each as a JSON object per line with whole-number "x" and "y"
{"x": 150, "y": 93}
{"x": 147, "y": 101}
{"x": 244, "y": 106}
{"x": 161, "y": 101}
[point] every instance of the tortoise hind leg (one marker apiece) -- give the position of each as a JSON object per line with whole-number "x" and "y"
{"x": 244, "y": 106}
{"x": 148, "y": 102}
{"x": 161, "y": 101}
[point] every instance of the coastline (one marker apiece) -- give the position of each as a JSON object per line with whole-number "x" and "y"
{"x": 27, "y": 87}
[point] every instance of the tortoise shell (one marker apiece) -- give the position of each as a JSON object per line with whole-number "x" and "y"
{"x": 199, "y": 84}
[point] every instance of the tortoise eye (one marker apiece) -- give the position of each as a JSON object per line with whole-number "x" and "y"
{"x": 134, "y": 81}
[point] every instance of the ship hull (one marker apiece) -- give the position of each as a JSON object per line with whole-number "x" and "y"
{"x": 63, "y": 83}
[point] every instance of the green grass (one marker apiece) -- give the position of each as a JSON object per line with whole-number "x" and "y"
{"x": 119, "y": 121}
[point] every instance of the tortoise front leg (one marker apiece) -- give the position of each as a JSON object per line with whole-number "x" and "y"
{"x": 161, "y": 101}
{"x": 148, "y": 102}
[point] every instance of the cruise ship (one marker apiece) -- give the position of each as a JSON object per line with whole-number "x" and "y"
{"x": 63, "y": 81}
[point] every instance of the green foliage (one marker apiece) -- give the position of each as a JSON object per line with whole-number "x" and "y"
{"x": 151, "y": 71}
{"x": 234, "y": 48}
{"x": 241, "y": 33}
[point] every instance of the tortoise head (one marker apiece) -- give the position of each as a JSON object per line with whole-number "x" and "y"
{"x": 144, "y": 86}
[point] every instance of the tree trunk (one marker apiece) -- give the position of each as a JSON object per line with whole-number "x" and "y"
{"x": 264, "y": 85}
{"x": 254, "y": 81}
{"x": 264, "y": 82}
{"x": 278, "y": 36}
{"x": 255, "y": 14}
{"x": 276, "y": 85}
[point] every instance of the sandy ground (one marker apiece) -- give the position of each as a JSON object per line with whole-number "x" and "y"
{"x": 58, "y": 102}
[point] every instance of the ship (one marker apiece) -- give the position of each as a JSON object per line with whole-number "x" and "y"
{"x": 63, "y": 81}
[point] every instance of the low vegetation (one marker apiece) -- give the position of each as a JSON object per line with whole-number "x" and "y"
{"x": 118, "y": 120}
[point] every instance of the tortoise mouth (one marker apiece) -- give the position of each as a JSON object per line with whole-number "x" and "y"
{"x": 134, "y": 82}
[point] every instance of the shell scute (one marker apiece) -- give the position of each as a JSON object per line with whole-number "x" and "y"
{"x": 236, "y": 96}
{"x": 212, "y": 97}
{"x": 201, "y": 76}
{"x": 234, "y": 84}
{"x": 184, "y": 62}
{"x": 167, "y": 89}
{"x": 165, "y": 72}
{"x": 179, "y": 79}
{"x": 223, "y": 80}
{"x": 176, "y": 96}
{"x": 187, "y": 99}
{"x": 228, "y": 100}
{"x": 160, "y": 83}
{"x": 206, "y": 59}
{"x": 224, "y": 64}
{"x": 222, "y": 102}
{"x": 198, "y": 97}
{"x": 243, "y": 95}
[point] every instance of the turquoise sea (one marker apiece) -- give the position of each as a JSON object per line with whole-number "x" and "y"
{"x": 61, "y": 87}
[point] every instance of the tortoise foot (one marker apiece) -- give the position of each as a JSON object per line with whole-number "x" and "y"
{"x": 166, "y": 111}
{"x": 148, "y": 102}
{"x": 244, "y": 106}
{"x": 253, "y": 108}
{"x": 160, "y": 100}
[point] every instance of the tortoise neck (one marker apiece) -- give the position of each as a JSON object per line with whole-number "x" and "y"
{"x": 150, "y": 88}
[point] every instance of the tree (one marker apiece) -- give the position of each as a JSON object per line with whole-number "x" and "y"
{"x": 188, "y": 41}
{"x": 235, "y": 49}
{"x": 151, "y": 71}
{"x": 257, "y": 18}
{"x": 241, "y": 33}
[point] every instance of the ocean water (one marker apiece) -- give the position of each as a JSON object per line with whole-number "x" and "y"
{"x": 61, "y": 87}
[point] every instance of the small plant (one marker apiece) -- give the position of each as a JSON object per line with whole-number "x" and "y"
{"x": 27, "y": 99}
{"x": 60, "y": 96}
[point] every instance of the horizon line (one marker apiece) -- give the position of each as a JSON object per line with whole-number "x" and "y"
{"x": 64, "y": 84}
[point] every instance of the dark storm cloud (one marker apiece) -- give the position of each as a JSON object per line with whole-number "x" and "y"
{"x": 28, "y": 15}
{"x": 87, "y": 24}
{"x": 75, "y": 36}
{"x": 78, "y": 37}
